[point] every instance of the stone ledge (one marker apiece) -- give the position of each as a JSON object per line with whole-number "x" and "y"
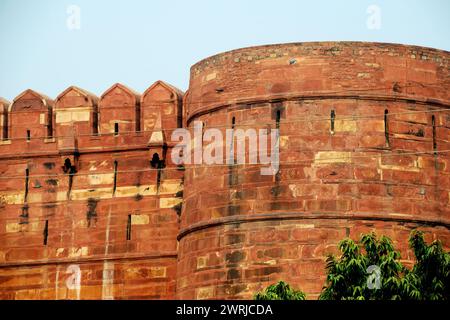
{"x": 316, "y": 95}
{"x": 84, "y": 260}
{"x": 239, "y": 219}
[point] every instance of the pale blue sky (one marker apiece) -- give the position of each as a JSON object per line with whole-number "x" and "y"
{"x": 139, "y": 42}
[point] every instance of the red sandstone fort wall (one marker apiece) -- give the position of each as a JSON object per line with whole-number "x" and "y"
{"x": 85, "y": 195}
{"x": 241, "y": 231}
{"x": 364, "y": 129}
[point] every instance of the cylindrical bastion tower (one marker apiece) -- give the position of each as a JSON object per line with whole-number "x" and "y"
{"x": 364, "y": 146}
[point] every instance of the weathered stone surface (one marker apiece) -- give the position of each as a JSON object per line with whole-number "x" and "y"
{"x": 79, "y": 191}
{"x": 332, "y": 183}
{"x": 52, "y": 225}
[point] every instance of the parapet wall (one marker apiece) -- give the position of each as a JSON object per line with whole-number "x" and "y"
{"x": 319, "y": 69}
{"x": 85, "y": 186}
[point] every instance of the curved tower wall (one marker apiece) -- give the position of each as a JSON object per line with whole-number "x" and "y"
{"x": 378, "y": 164}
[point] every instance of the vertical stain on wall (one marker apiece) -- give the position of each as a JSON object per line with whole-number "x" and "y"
{"x": 108, "y": 266}
{"x": 91, "y": 214}
{"x": 24, "y": 215}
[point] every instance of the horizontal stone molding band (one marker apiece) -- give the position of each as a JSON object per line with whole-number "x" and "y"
{"x": 318, "y": 96}
{"x": 325, "y": 45}
{"x": 86, "y": 260}
{"x": 78, "y": 152}
{"x": 239, "y": 219}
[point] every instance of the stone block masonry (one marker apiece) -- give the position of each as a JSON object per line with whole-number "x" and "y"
{"x": 85, "y": 194}
{"x": 92, "y": 206}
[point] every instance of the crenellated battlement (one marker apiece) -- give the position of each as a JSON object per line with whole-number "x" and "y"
{"x": 77, "y": 121}
{"x": 86, "y": 178}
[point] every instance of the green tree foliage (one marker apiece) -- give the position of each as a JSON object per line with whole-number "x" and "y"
{"x": 372, "y": 270}
{"x": 430, "y": 275}
{"x": 280, "y": 291}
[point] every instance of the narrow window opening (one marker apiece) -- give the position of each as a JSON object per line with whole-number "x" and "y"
{"x": 67, "y": 165}
{"x": 28, "y": 135}
{"x": 129, "y": 227}
{"x": 91, "y": 214}
{"x": 24, "y": 215}
{"x": 116, "y": 128}
{"x": 386, "y": 128}
{"x": 180, "y": 113}
{"x": 50, "y": 123}
{"x": 231, "y": 170}
{"x": 433, "y": 123}
{"x": 138, "y": 117}
{"x": 232, "y": 155}
{"x": 157, "y": 163}
{"x": 69, "y": 169}
{"x": 278, "y": 118}
{"x": 95, "y": 121}
{"x": 27, "y": 179}
{"x": 46, "y": 233}
{"x": 332, "y": 117}
{"x": 115, "y": 177}
{"x": 203, "y": 133}
{"x": 5, "y": 125}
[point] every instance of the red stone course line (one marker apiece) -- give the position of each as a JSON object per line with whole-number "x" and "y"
{"x": 318, "y": 96}
{"x": 91, "y": 259}
{"x": 301, "y": 215}
{"x": 399, "y": 154}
